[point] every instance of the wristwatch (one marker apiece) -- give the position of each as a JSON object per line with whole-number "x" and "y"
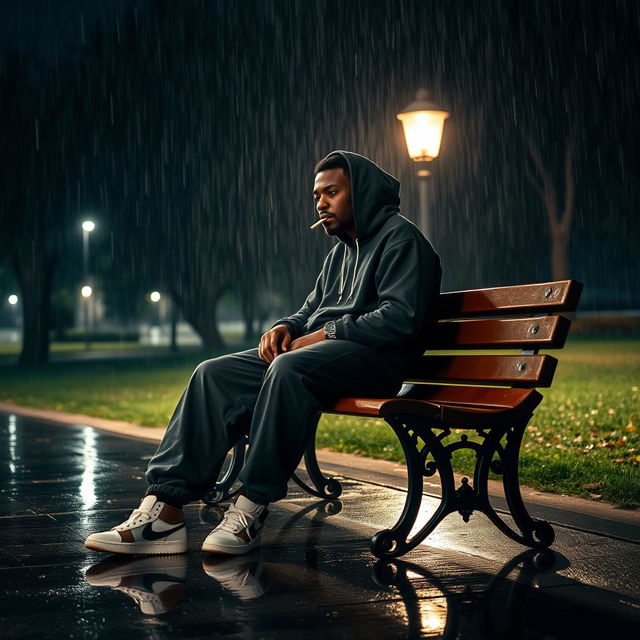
{"x": 330, "y": 330}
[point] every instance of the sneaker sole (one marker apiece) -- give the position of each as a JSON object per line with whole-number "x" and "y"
{"x": 148, "y": 549}
{"x": 212, "y": 547}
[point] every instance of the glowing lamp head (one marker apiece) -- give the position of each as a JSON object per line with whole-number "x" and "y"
{"x": 88, "y": 226}
{"x": 13, "y": 299}
{"x": 423, "y": 124}
{"x": 86, "y": 291}
{"x": 155, "y": 296}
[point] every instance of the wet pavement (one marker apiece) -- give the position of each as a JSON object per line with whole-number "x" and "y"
{"x": 314, "y": 576}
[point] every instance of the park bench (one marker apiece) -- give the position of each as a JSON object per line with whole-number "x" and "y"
{"x": 491, "y": 396}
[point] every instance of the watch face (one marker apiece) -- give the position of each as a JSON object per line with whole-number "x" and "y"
{"x": 330, "y": 329}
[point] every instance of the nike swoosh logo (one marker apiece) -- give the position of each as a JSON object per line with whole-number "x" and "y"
{"x": 149, "y": 534}
{"x": 254, "y": 528}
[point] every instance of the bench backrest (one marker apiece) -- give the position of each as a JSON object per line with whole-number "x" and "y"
{"x": 492, "y": 319}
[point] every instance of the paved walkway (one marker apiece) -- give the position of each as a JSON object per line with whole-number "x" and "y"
{"x": 314, "y": 575}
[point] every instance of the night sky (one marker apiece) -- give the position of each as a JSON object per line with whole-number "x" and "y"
{"x": 224, "y": 107}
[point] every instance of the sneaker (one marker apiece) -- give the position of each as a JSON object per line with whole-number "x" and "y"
{"x": 153, "y": 528}
{"x": 244, "y": 578}
{"x": 239, "y": 531}
{"x": 156, "y": 584}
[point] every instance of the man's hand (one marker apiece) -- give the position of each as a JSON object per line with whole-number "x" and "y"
{"x": 310, "y": 338}
{"x": 273, "y": 342}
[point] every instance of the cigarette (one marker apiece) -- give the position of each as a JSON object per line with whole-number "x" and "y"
{"x": 316, "y": 224}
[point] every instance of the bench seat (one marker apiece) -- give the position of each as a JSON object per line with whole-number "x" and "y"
{"x": 455, "y": 406}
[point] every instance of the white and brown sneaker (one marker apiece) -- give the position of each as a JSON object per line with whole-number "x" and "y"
{"x": 153, "y": 528}
{"x": 243, "y": 577}
{"x": 240, "y": 529}
{"x": 155, "y": 583}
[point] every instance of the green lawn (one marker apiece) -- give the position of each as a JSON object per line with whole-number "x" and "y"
{"x": 75, "y": 347}
{"x": 583, "y": 439}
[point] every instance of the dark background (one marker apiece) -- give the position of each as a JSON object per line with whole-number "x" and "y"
{"x": 190, "y": 130}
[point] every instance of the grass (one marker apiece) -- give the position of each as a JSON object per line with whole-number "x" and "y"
{"x": 13, "y": 349}
{"x": 583, "y": 439}
{"x": 71, "y": 347}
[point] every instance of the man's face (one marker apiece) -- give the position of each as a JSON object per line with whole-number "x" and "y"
{"x": 332, "y": 195}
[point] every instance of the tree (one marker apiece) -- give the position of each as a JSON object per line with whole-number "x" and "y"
{"x": 559, "y": 214}
{"x": 43, "y": 154}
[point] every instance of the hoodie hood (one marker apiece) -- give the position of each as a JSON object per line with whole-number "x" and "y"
{"x": 375, "y": 196}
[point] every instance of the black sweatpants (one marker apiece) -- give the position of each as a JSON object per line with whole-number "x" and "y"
{"x": 276, "y": 403}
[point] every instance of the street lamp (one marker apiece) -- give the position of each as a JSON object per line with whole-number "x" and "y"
{"x": 87, "y": 227}
{"x": 155, "y": 331}
{"x": 423, "y": 123}
{"x": 13, "y": 302}
{"x": 86, "y": 292}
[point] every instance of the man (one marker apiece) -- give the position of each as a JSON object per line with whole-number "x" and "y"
{"x": 366, "y": 319}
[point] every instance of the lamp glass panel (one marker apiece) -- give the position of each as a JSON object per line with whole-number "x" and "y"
{"x": 423, "y": 132}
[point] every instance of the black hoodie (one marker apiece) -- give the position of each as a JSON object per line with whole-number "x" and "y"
{"x": 382, "y": 289}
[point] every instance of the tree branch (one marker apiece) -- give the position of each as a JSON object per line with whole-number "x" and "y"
{"x": 534, "y": 182}
{"x": 548, "y": 194}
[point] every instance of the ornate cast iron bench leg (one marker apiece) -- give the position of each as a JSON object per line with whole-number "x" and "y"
{"x": 413, "y": 436}
{"x": 537, "y": 533}
{"x": 532, "y": 533}
{"x": 221, "y": 490}
{"x": 419, "y": 441}
{"x": 323, "y": 487}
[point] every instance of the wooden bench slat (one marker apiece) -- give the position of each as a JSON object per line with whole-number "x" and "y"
{"x": 492, "y": 397}
{"x": 517, "y": 370}
{"x": 474, "y": 407}
{"x": 521, "y": 333}
{"x": 541, "y": 297}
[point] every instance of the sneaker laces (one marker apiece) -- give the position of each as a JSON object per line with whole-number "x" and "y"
{"x": 235, "y": 520}
{"x": 143, "y": 514}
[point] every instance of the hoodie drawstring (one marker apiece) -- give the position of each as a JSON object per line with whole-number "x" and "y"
{"x": 353, "y": 280}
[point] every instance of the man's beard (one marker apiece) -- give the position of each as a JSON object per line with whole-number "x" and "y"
{"x": 336, "y": 229}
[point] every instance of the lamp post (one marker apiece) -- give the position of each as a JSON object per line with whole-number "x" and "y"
{"x": 423, "y": 124}
{"x": 155, "y": 331}
{"x": 155, "y": 297}
{"x": 86, "y": 292}
{"x": 87, "y": 227}
{"x": 13, "y": 302}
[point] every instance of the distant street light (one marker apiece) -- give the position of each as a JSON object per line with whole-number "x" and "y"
{"x": 87, "y": 227}
{"x": 423, "y": 124}
{"x": 13, "y": 301}
{"x": 155, "y": 297}
{"x": 86, "y": 292}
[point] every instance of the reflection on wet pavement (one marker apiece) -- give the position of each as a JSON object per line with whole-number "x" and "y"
{"x": 155, "y": 583}
{"x": 314, "y": 575}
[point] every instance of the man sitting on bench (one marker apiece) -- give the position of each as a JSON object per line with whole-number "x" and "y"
{"x": 367, "y": 318}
